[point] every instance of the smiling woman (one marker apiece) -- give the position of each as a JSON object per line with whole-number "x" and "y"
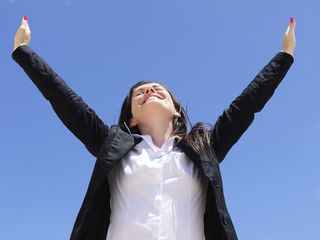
{"x": 152, "y": 111}
{"x": 154, "y": 179}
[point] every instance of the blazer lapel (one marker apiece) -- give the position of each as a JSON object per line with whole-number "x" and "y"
{"x": 117, "y": 144}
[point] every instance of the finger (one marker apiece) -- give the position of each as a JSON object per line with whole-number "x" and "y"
{"x": 292, "y": 25}
{"x": 24, "y": 22}
{"x": 288, "y": 29}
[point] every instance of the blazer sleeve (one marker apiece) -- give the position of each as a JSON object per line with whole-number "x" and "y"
{"x": 235, "y": 120}
{"x": 76, "y": 115}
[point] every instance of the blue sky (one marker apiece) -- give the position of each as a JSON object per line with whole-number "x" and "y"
{"x": 206, "y": 52}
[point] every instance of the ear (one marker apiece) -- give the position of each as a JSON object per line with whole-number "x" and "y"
{"x": 132, "y": 123}
{"x": 176, "y": 114}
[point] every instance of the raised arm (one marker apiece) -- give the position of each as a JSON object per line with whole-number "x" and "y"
{"x": 235, "y": 120}
{"x": 80, "y": 119}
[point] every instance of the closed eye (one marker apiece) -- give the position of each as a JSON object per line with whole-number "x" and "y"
{"x": 158, "y": 89}
{"x": 139, "y": 92}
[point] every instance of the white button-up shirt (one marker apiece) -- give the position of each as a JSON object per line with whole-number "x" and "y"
{"x": 156, "y": 193}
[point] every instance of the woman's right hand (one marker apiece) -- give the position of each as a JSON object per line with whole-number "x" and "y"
{"x": 23, "y": 35}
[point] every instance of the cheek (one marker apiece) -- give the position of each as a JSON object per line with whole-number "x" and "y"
{"x": 171, "y": 104}
{"x": 134, "y": 106}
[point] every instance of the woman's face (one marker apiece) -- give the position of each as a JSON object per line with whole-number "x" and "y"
{"x": 148, "y": 99}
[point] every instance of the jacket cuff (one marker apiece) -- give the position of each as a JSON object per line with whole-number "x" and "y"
{"x": 286, "y": 58}
{"x": 20, "y": 52}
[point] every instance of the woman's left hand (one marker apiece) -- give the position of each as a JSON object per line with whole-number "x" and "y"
{"x": 289, "y": 40}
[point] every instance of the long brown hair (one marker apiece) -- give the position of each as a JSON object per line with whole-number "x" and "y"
{"x": 199, "y": 136}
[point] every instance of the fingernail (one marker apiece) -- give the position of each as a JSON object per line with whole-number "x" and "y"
{"x": 292, "y": 20}
{"x": 25, "y": 17}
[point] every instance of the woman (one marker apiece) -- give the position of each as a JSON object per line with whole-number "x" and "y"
{"x": 152, "y": 179}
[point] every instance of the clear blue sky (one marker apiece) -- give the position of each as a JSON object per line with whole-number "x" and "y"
{"x": 206, "y": 52}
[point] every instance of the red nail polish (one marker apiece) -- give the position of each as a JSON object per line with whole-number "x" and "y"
{"x": 25, "y": 18}
{"x": 292, "y": 20}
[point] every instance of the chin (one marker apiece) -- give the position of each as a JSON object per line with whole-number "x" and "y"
{"x": 156, "y": 107}
{"x": 154, "y": 103}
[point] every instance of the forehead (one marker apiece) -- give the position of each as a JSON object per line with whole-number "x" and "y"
{"x": 148, "y": 85}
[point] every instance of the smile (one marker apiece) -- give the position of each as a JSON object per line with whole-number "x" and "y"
{"x": 152, "y": 96}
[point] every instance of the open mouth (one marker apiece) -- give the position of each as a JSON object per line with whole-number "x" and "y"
{"x": 152, "y": 96}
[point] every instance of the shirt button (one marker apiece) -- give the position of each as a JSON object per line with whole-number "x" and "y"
{"x": 157, "y": 202}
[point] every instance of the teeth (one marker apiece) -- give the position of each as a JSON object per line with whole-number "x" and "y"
{"x": 150, "y": 98}
{"x": 153, "y": 96}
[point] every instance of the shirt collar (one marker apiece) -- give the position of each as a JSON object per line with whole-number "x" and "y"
{"x": 167, "y": 145}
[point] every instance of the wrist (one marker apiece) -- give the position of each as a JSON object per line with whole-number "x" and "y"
{"x": 289, "y": 51}
{"x": 16, "y": 45}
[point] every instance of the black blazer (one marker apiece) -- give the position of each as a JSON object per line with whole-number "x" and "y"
{"x": 110, "y": 144}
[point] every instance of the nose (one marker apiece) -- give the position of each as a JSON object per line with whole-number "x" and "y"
{"x": 149, "y": 90}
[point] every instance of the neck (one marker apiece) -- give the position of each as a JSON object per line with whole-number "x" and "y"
{"x": 159, "y": 131}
